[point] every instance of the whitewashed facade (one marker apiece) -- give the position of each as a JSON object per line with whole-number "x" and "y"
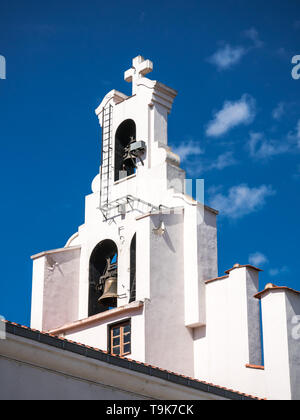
{"x": 184, "y": 318}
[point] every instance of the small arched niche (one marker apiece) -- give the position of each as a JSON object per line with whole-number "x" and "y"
{"x": 125, "y": 132}
{"x": 105, "y": 251}
{"x": 132, "y": 296}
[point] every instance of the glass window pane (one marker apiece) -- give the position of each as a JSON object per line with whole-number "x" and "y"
{"x": 127, "y": 338}
{"x": 127, "y": 348}
{"x": 126, "y": 328}
{"x": 116, "y": 350}
{"x": 116, "y": 341}
{"x": 116, "y": 331}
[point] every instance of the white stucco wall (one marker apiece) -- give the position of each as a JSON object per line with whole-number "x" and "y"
{"x": 55, "y": 288}
{"x": 96, "y": 335}
{"x": 168, "y": 340}
{"x": 223, "y": 346}
{"x": 281, "y": 343}
{"x": 22, "y": 381}
{"x": 37, "y": 294}
{"x": 293, "y": 329}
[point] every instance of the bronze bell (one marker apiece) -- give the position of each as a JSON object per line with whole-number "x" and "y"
{"x": 128, "y": 160}
{"x": 110, "y": 290}
{"x": 109, "y": 282}
{"x": 128, "y": 157}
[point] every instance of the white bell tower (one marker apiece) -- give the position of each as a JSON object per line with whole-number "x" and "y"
{"x": 145, "y": 247}
{"x": 136, "y": 127}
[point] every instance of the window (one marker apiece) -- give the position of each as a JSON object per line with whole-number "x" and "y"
{"x": 120, "y": 339}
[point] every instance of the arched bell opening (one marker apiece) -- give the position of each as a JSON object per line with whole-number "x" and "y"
{"x": 103, "y": 277}
{"x": 124, "y": 165}
{"x": 132, "y": 296}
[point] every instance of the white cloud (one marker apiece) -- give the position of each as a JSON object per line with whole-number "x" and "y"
{"x": 260, "y": 148}
{"x": 187, "y": 149}
{"x": 241, "y": 200}
{"x": 257, "y": 259}
{"x": 273, "y": 272}
{"x": 279, "y": 111}
{"x": 227, "y": 56}
{"x": 223, "y": 161}
{"x": 198, "y": 167}
{"x": 213, "y": 190}
{"x": 252, "y": 34}
{"x": 231, "y": 115}
{"x": 294, "y": 135}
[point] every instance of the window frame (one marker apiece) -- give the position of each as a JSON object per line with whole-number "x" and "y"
{"x": 110, "y": 337}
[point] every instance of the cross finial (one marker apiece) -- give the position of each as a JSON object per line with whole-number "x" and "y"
{"x": 140, "y": 67}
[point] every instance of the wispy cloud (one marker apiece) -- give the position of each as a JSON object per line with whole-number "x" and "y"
{"x": 257, "y": 258}
{"x": 252, "y": 34}
{"x": 187, "y": 150}
{"x": 279, "y": 111}
{"x": 190, "y": 152}
{"x": 231, "y": 115}
{"x": 274, "y": 272}
{"x": 294, "y": 135}
{"x": 228, "y": 56}
{"x": 241, "y": 200}
{"x": 261, "y": 148}
{"x": 224, "y": 160}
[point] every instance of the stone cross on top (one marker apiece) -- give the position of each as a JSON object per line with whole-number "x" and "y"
{"x": 140, "y": 67}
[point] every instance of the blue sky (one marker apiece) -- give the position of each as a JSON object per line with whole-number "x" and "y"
{"x": 235, "y": 121}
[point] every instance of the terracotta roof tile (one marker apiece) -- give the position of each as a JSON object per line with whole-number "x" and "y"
{"x": 241, "y": 266}
{"x": 270, "y": 287}
{"x": 216, "y": 278}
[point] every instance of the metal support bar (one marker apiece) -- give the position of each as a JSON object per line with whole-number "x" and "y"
{"x": 124, "y": 201}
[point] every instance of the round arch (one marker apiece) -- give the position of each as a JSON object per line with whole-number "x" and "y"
{"x": 97, "y": 265}
{"x": 124, "y": 133}
{"x": 132, "y": 296}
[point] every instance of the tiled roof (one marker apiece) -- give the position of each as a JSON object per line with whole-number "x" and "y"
{"x": 123, "y": 362}
{"x": 273, "y": 287}
{"x": 242, "y": 266}
{"x": 216, "y": 278}
{"x": 227, "y": 272}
